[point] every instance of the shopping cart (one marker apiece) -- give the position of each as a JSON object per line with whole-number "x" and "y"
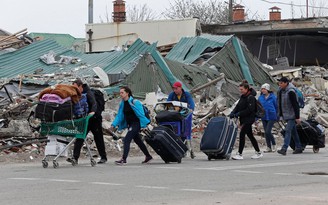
{"x": 178, "y": 117}
{"x": 71, "y": 129}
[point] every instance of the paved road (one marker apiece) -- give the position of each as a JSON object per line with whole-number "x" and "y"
{"x": 273, "y": 179}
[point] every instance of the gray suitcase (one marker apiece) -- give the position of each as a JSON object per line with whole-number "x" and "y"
{"x": 219, "y": 138}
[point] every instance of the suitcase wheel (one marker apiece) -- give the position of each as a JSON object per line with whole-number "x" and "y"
{"x": 315, "y": 149}
{"x": 179, "y": 161}
{"x": 209, "y": 158}
{"x": 167, "y": 162}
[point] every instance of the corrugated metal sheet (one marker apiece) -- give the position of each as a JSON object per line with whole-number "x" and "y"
{"x": 226, "y": 61}
{"x": 27, "y": 60}
{"x": 129, "y": 59}
{"x": 65, "y": 40}
{"x": 190, "y": 48}
{"x": 148, "y": 76}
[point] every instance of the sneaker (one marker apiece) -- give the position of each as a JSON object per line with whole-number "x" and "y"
{"x": 72, "y": 161}
{"x": 257, "y": 155}
{"x": 274, "y": 148}
{"x": 282, "y": 151}
{"x": 237, "y": 156}
{"x": 297, "y": 151}
{"x": 268, "y": 149}
{"x": 102, "y": 161}
{"x": 120, "y": 162}
{"x": 147, "y": 159}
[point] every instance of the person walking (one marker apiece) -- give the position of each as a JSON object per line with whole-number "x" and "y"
{"x": 95, "y": 124}
{"x": 268, "y": 101}
{"x": 245, "y": 110}
{"x": 179, "y": 94}
{"x": 289, "y": 111}
{"x": 131, "y": 115}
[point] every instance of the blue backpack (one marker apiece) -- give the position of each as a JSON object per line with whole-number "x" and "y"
{"x": 300, "y": 98}
{"x": 81, "y": 108}
{"x": 146, "y": 111}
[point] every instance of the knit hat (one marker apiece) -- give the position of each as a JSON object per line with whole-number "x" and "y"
{"x": 266, "y": 86}
{"x": 176, "y": 85}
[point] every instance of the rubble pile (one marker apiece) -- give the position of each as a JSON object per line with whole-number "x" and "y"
{"x": 213, "y": 84}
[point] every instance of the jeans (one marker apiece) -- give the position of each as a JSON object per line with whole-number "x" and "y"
{"x": 133, "y": 133}
{"x": 290, "y": 131}
{"x": 247, "y": 129}
{"x": 267, "y": 125}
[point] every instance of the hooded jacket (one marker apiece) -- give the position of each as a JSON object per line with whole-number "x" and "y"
{"x": 137, "y": 107}
{"x": 246, "y": 107}
{"x": 270, "y": 106}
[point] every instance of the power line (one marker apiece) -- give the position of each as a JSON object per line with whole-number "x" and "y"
{"x": 289, "y": 4}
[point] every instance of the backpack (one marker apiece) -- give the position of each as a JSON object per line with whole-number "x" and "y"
{"x": 259, "y": 110}
{"x": 99, "y": 97}
{"x": 81, "y": 108}
{"x": 300, "y": 98}
{"x": 146, "y": 111}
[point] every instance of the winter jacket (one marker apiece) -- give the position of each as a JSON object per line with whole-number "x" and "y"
{"x": 137, "y": 107}
{"x": 270, "y": 106}
{"x": 185, "y": 97}
{"x": 288, "y": 106}
{"x": 246, "y": 107}
{"x": 92, "y": 103}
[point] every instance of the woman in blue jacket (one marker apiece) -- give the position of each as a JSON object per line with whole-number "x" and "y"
{"x": 269, "y": 103}
{"x": 131, "y": 115}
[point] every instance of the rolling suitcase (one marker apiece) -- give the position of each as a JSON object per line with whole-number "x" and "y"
{"x": 219, "y": 138}
{"x": 166, "y": 144}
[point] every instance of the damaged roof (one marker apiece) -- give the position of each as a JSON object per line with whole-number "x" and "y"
{"x": 149, "y": 75}
{"x": 27, "y": 61}
{"x": 227, "y": 53}
{"x": 189, "y": 49}
{"x": 129, "y": 59}
{"x": 65, "y": 40}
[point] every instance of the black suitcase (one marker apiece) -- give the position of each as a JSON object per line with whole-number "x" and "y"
{"x": 219, "y": 138}
{"x": 309, "y": 134}
{"x": 54, "y": 112}
{"x": 166, "y": 144}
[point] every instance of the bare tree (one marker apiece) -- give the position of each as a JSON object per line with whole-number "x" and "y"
{"x": 210, "y": 12}
{"x": 140, "y": 13}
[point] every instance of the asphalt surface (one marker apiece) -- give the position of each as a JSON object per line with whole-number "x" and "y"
{"x": 273, "y": 179}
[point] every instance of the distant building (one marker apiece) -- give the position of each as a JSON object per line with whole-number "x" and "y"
{"x": 289, "y": 42}
{"x": 106, "y": 36}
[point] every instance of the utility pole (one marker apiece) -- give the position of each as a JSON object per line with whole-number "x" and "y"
{"x": 307, "y": 8}
{"x": 230, "y": 11}
{"x": 90, "y": 8}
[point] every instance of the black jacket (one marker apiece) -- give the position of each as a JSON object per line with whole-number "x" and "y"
{"x": 92, "y": 103}
{"x": 246, "y": 107}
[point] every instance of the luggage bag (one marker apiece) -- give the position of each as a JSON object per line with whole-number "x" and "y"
{"x": 309, "y": 134}
{"x": 166, "y": 144}
{"x": 54, "y": 112}
{"x": 219, "y": 138}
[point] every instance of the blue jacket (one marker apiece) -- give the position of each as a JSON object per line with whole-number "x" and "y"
{"x": 185, "y": 97}
{"x": 137, "y": 107}
{"x": 270, "y": 106}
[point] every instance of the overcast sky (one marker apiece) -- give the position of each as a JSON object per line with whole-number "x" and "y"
{"x": 70, "y": 16}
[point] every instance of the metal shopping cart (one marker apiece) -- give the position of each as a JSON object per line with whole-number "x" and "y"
{"x": 69, "y": 129}
{"x": 178, "y": 117}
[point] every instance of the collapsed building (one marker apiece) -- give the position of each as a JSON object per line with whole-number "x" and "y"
{"x": 208, "y": 66}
